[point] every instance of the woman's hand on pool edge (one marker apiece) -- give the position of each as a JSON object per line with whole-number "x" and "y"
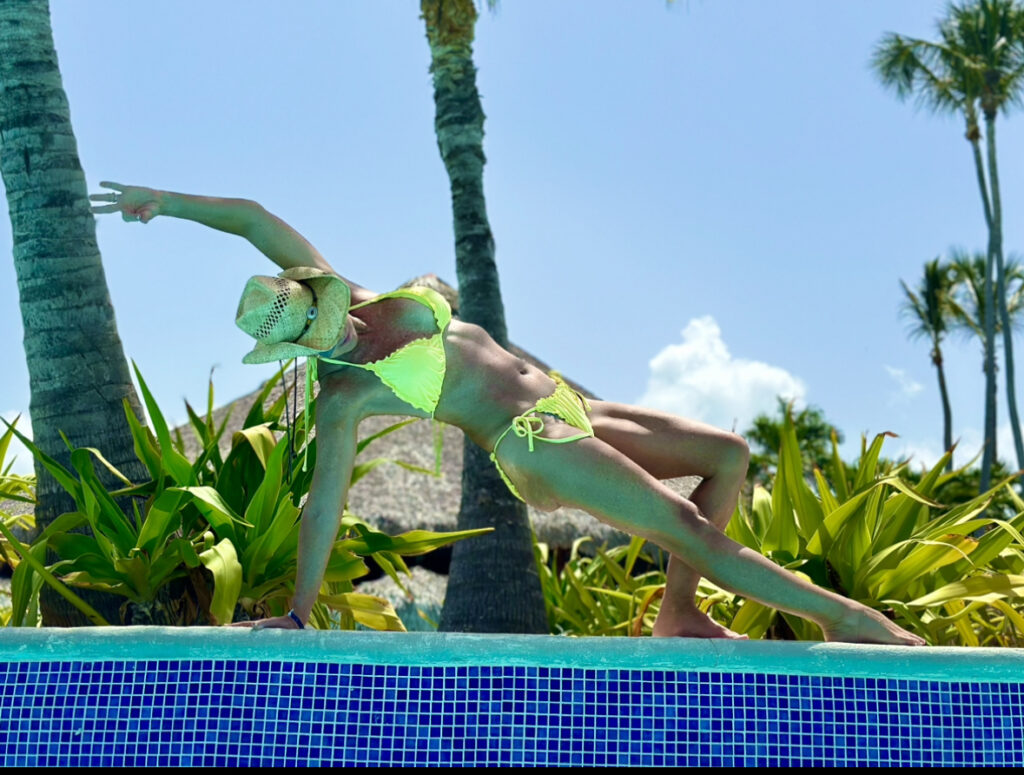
{"x": 274, "y": 623}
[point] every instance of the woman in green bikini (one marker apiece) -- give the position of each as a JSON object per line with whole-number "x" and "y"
{"x": 402, "y": 353}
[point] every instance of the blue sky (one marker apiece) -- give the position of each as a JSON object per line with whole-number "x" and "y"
{"x": 695, "y": 207}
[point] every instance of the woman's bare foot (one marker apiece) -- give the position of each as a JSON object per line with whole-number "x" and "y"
{"x": 861, "y": 624}
{"x": 692, "y": 624}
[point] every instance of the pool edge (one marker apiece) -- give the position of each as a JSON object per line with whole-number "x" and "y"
{"x": 455, "y": 649}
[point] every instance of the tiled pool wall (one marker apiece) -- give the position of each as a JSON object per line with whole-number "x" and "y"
{"x": 227, "y": 697}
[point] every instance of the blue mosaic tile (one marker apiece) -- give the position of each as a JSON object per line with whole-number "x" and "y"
{"x": 235, "y": 713}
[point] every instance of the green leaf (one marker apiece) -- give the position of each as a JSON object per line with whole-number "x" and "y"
{"x": 187, "y": 552}
{"x": 374, "y": 612}
{"x": 37, "y": 566}
{"x": 161, "y": 520}
{"x": 283, "y": 522}
{"x": 111, "y": 520}
{"x": 808, "y": 509}
{"x": 834, "y": 523}
{"x": 926, "y": 557}
{"x": 838, "y": 471}
{"x": 222, "y": 562}
{"x": 5, "y": 439}
{"x": 868, "y": 464}
{"x": 364, "y": 443}
{"x": 753, "y": 619}
{"x": 255, "y": 415}
{"x": 218, "y": 513}
{"x": 170, "y": 459}
{"x": 986, "y": 588}
{"x": 261, "y": 508}
{"x": 409, "y": 543}
{"x": 260, "y": 438}
{"x": 781, "y": 534}
{"x": 145, "y": 444}
{"x": 61, "y": 474}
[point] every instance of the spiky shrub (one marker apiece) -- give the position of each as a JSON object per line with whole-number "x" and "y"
{"x": 871, "y": 534}
{"x": 237, "y": 517}
{"x": 615, "y": 591}
{"x": 13, "y": 487}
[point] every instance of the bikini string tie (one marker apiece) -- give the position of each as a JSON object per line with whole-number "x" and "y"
{"x": 528, "y": 427}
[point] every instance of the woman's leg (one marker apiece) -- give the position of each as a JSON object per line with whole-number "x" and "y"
{"x": 592, "y": 475}
{"x": 668, "y": 446}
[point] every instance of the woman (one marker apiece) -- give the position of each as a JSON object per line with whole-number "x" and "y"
{"x": 401, "y": 353}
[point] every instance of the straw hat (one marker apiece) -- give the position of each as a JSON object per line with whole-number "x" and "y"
{"x": 301, "y": 312}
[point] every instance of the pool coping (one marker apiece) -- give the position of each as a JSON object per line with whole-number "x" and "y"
{"x": 463, "y": 649}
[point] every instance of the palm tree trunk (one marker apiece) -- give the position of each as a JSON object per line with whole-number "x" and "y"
{"x": 996, "y": 238}
{"x": 947, "y": 412}
{"x": 493, "y": 585}
{"x": 988, "y": 454}
{"x": 77, "y": 370}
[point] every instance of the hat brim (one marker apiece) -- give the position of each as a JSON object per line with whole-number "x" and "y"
{"x": 333, "y": 299}
{"x": 282, "y": 351}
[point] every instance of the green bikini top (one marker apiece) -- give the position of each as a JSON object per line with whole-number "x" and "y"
{"x": 414, "y": 372}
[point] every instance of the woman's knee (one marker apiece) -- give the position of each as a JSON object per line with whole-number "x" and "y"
{"x": 734, "y": 457}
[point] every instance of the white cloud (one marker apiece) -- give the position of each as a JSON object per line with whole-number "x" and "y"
{"x": 907, "y": 386}
{"x": 699, "y": 379}
{"x": 17, "y": 451}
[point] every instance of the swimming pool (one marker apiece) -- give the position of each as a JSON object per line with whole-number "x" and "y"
{"x": 223, "y": 697}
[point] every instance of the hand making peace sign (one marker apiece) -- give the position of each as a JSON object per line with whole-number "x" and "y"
{"x": 135, "y": 203}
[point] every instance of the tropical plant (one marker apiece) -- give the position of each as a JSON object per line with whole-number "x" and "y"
{"x": 609, "y": 593}
{"x": 870, "y": 535}
{"x": 764, "y": 436}
{"x": 243, "y": 528}
{"x": 78, "y": 372}
{"x": 977, "y": 63}
{"x": 493, "y": 587}
{"x": 930, "y": 311}
{"x": 13, "y": 488}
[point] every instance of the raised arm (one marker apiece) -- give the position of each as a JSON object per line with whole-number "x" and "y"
{"x": 269, "y": 234}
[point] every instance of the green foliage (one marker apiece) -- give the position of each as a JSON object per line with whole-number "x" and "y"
{"x": 813, "y": 432}
{"x": 22, "y": 489}
{"x": 873, "y": 535}
{"x": 601, "y": 595}
{"x": 225, "y": 529}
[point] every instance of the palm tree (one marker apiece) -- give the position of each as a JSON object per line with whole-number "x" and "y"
{"x": 494, "y": 585}
{"x": 967, "y": 300}
{"x": 929, "y": 311}
{"x": 978, "y": 63}
{"x": 76, "y": 364}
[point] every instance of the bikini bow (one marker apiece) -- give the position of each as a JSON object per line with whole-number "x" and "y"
{"x": 528, "y": 427}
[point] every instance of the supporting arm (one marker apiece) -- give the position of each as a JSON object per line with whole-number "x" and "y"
{"x": 336, "y": 452}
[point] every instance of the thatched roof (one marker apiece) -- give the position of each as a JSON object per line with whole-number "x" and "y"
{"x": 395, "y": 499}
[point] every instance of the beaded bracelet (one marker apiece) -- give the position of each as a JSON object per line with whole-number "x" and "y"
{"x": 295, "y": 618}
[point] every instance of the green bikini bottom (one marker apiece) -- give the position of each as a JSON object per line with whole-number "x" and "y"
{"x": 566, "y": 404}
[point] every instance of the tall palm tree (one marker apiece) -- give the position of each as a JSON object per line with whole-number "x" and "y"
{"x": 967, "y": 300}
{"x": 494, "y": 585}
{"x": 930, "y": 310}
{"x": 77, "y": 369}
{"x": 977, "y": 63}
